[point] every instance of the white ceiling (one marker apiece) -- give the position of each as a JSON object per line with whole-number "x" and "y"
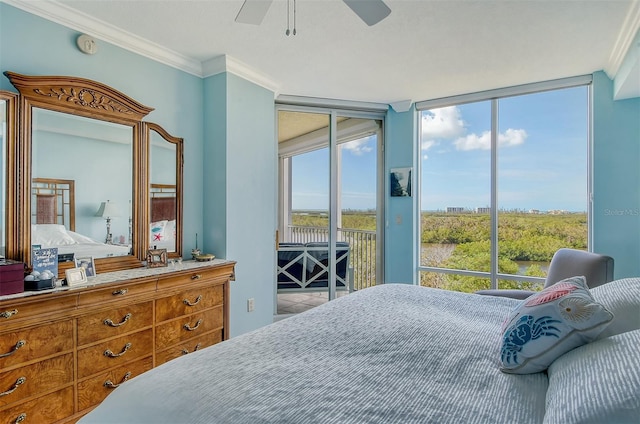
{"x": 425, "y": 49}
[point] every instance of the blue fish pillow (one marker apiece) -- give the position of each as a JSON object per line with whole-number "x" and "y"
{"x": 549, "y": 323}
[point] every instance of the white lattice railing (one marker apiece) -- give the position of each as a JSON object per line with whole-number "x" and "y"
{"x": 361, "y": 242}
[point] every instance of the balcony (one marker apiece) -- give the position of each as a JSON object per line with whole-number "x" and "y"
{"x": 362, "y": 265}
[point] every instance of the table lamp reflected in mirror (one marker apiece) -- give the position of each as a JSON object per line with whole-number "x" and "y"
{"x": 108, "y": 210}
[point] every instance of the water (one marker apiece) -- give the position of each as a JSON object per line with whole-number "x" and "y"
{"x": 440, "y": 252}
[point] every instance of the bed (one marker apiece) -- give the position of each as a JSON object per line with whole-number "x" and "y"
{"x": 53, "y": 221}
{"x": 393, "y": 353}
{"x": 67, "y": 241}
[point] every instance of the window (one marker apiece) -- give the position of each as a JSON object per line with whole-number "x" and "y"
{"x": 503, "y": 185}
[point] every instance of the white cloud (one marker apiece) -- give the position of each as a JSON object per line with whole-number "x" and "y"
{"x": 427, "y": 144}
{"x": 444, "y": 122}
{"x": 358, "y": 147}
{"x": 474, "y": 142}
{"x": 512, "y": 137}
{"x": 509, "y": 138}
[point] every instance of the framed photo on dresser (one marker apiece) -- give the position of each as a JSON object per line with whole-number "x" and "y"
{"x": 88, "y": 264}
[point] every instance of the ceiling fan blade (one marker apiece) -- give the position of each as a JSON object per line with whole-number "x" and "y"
{"x": 370, "y": 11}
{"x": 253, "y": 11}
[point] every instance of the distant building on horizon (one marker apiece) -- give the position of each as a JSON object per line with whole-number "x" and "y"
{"x": 484, "y": 210}
{"x": 455, "y": 209}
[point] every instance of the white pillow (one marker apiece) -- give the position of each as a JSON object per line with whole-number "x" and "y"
{"x": 50, "y": 235}
{"x": 549, "y": 323}
{"x": 157, "y": 231}
{"x": 80, "y": 238}
{"x": 170, "y": 230}
{"x": 622, "y": 298}
{"x": 596, "y": 383}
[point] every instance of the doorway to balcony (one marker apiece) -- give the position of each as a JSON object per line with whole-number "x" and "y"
{"x": 330, "y": 209}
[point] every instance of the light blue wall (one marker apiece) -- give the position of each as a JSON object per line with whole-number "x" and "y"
{"x": 240, "y": 201}
{"x": 616, "y": 174}
{"x": 400, "y": 220}
{"x": 34, "y": 46}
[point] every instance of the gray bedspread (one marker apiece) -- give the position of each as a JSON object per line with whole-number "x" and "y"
{"x": 388, "y": 354}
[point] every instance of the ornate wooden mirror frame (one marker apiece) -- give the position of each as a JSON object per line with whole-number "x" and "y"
{"x": 164, "y": 198}
{"x": 10, "y": 172}
{"x": 88, "y": 99}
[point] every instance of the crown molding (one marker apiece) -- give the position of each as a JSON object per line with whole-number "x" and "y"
{"x": 628, "y": 31}
{"x": 226, "y": 63}
{"x": 71, "y": 18}
{"x": 402, "y": 105}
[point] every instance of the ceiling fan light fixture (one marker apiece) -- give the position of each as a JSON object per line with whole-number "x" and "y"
{"x": 370, "y": 11}
{"x": 253, "y": 12}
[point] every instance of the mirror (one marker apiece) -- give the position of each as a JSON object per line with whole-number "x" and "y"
{"x": 85, "y": 168}
{"x": 66, "y": 201}
{"x": 165, "y": 185}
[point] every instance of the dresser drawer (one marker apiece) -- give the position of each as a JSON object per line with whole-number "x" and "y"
{"x": 36, "y": 378}
{"x": 188, "y": 302}
{"x": 95, "y": 389}
{"x": 114, "y": 352}
{"x": 194, "y": 276}
{"x": 187, "y": 327}
{"x": 49, "y": 408}
{"x": 114, "y": 322}
{"x": 116, "y": 292}
{"x": 36, "y": 342}
{"x": 189, "y": 346}
{"x": 11, "y": 312}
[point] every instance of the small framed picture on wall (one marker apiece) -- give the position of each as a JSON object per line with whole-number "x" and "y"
{"x": 400, "y": 182}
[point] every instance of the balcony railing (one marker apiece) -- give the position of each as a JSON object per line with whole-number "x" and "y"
{"x": 363, "y": 249}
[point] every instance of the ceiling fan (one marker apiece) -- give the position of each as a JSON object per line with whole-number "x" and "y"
{"x": 370, "y": 11}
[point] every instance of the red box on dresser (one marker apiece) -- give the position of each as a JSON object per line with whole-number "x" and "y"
{"x": 11, "y": 276}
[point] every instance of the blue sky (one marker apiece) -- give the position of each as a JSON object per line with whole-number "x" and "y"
{"x": 542, "y": 158}
{"x": 310, "y": 175}
{"x": 542, "y": 153}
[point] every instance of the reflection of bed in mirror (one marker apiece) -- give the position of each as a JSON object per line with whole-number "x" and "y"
{"x": 53, "y": 221}
{"x": 162, "y": 230}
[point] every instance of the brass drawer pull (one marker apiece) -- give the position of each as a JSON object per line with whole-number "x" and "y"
{"x": 20, "y": 418}
{"x": 194, "y": 303}
{"x": 14, "y": 349}
{"x": 123, "y": 322}
{"x": 186, "y": 352}
{"x": 115, "y": 355}
{"x": 19, "y": 382}
{"x": 120, "y": 292}
{"x": 109, "y": 385}
{"x": 9, "y": 314}
{"x": 195, "y": 327}
{"x": 196, "y": 277}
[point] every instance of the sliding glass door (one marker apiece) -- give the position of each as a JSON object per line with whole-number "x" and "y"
{"x": 328, "y": 214}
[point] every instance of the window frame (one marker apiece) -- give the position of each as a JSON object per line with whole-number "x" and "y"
{"x": 494, "y": 96}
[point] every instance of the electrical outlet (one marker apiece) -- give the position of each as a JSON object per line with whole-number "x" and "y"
{"x": 250, "y": 304}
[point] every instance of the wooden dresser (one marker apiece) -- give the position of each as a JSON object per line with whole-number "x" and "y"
{"x": 63, "y": 351}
